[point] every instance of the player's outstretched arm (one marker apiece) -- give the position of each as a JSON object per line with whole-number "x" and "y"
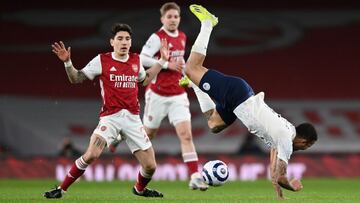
{"x": 278, "y": 169}
{"x": 64, "y": 55}
{"x": 156, "y": 68}
{"x": 273, "y": 163}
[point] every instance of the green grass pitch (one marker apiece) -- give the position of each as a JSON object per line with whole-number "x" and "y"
{"x": 315, "y": 190}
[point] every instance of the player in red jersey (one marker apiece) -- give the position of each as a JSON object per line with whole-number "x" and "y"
{"x": 164, "y": 96}
{"x": 119, "y": 73}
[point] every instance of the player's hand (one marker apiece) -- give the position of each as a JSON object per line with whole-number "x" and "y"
{"x": 279, "y": 193}
{"x": 164, "y": 50}
{"x": 176, "y": 66}
{"x": 296, "y": 184}
{"x": 61, "y": 52}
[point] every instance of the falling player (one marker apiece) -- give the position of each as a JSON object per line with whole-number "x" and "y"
{"x": 235, "y": 99}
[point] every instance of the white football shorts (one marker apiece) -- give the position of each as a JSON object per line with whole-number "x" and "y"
{"x": 157, "y": 107}
{"x": 126, "y": 124}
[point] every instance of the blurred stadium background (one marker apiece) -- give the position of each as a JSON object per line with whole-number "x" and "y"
{"x": 304, "y": 55}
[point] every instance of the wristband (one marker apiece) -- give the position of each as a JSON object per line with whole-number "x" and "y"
{"x": 163, "y": 63}
{"x": 68, "y": 63}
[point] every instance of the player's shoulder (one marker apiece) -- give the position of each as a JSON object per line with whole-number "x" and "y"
{"x": 160, "y": 33}
{"x": 104, "y": 55}
{"x": 182, "y": 34}
{"x": 134, "y": 56}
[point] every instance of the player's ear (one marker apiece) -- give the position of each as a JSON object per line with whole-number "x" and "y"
{"x": 112, "y": 42}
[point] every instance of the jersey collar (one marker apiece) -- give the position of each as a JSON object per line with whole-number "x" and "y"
{"x": 175, "y": 34}
{"x": 121, "y": 60}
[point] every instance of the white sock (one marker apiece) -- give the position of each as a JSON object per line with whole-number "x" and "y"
{"x": 190, "y": 156}
{"x": 145, "y": 174}
{"x": 81, "y": 164}
{"x": 202, "y": 40}
{"x": 206, "y": 103}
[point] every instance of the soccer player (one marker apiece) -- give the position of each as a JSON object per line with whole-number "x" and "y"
{"x": 119, "y": 73}
{"x": 235, "y": 99}
{"x": 164, "y": 96}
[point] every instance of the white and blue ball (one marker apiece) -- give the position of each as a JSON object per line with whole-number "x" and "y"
{"x": 215, "y": 173}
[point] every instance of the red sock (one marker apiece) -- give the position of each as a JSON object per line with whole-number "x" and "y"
{"x": 72, "y": 175}
{"x": 141, "y": 182}
{"x": 192, "y": 167}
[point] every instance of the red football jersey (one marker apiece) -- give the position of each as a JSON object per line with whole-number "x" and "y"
{"x": 119, "y": 85}
{"x": 167, "y": 81}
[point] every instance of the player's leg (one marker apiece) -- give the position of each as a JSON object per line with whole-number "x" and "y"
{"x": 155, "y": 111}
{"x": 147, "y": 161}
{"x": 94, "y": 150}
{"x": 215, "y": 121}
{"x": 194, "y": 65}
{"x": 180, "y": 117}
{"x": 195, "y": 70}
{"x": 189, "y": 155}
{"x": 140, "y": 145}
{"x": 151, "y": 132}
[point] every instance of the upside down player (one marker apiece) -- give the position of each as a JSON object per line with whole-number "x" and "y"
{"x": 235, "y": 99}
{"x": 119, "y": 73}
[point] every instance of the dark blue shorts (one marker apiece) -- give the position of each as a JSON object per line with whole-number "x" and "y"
{"x": 227, "y": 91}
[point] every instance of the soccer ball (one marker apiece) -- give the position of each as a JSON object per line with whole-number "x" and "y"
{"x": 215, "y": 173}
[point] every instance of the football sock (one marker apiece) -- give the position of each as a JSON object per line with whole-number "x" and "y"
{"x": 206, "y": 103}
{"x": 77, "y": 169}
{"x": 142, "y": 180}
{"x": 191, "y": 160}
{"x": 202, "y": 40}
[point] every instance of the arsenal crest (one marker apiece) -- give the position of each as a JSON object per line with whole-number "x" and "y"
{"x": 103, "y": 128}
{"x": 135, "y": 68}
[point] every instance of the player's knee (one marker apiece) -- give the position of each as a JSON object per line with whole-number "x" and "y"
{"x": 91, "y": 155}
{"x": 185, "y": 136}
{"x": 216, "y": 128}
{"x": 150, "y": 167}
{"x": 190, "y": 67}
{"x": 188, "y": 70}
{"x": 151, "y": 133}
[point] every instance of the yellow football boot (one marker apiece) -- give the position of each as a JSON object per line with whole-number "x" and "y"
{"x": 202, "y": 14}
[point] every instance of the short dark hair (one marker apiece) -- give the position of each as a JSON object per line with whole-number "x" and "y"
{"x": 168, "y": 6}
{"x": 117, "y": 27}
{"x": 306, "y": 131}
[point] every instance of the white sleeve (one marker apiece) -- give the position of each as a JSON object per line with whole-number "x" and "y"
{"x": 142, "y": 73}
{"x": 93, "y": 68}
{"x": 284, "y": 149}
{"x": 149, "y": 50}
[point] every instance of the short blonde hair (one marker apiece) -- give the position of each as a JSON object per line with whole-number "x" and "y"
{"x": 168, "y": 6}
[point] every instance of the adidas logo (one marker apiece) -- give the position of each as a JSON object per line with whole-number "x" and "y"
{"x": 113, "y": 69}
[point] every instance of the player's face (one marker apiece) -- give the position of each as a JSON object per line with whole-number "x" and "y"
{"x": 121, "y": 43}
{"x": 302, "y": 144}
{"x": 171, "y": 20}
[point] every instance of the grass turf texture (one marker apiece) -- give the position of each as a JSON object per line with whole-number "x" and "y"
{"x": 315, "y": 190}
